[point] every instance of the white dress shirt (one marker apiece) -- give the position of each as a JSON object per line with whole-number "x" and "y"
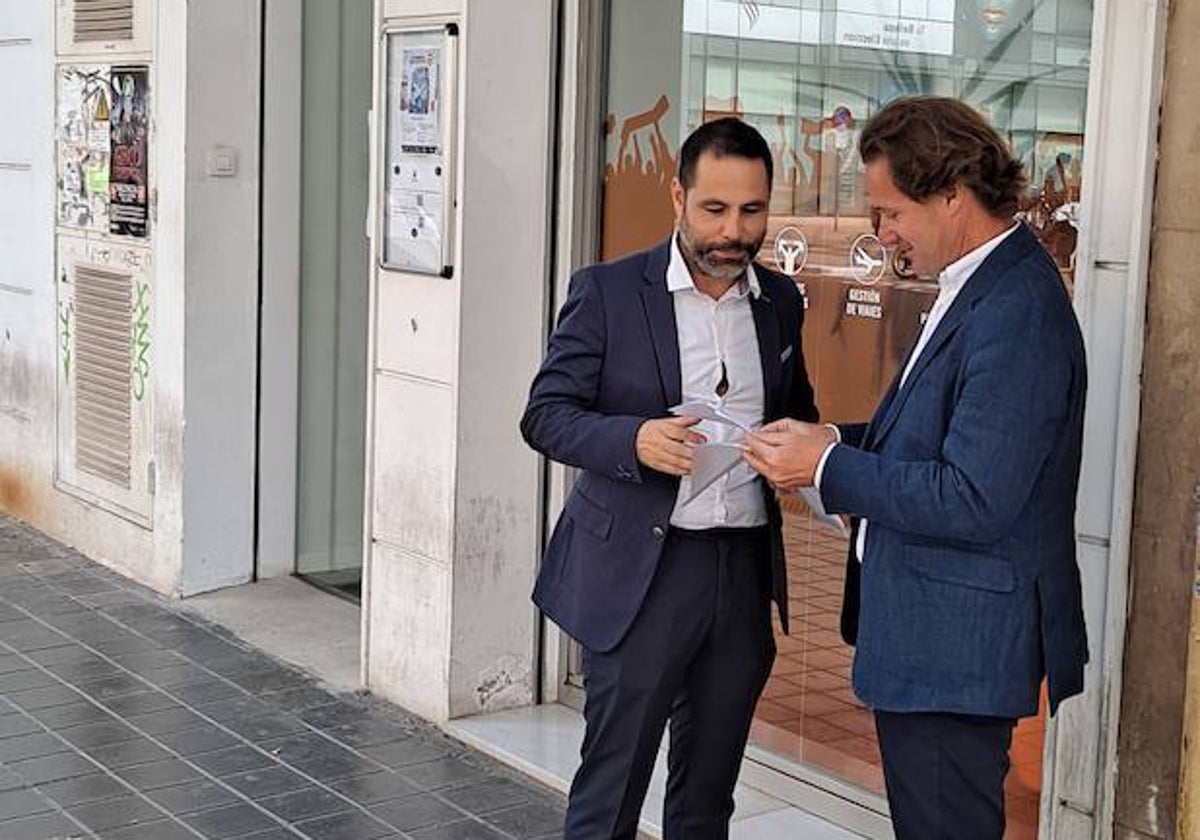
{"x": 950, "y": 282}
{"x": 712, "y": 331}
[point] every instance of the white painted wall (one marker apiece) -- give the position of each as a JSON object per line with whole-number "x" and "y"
{"x": 221, "y": 294}
{"x": 28, "y": 305}
{"x": 453, "y": 492}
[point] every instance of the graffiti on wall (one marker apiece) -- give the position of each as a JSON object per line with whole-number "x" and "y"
{"x": 140, "y": 340}
{"x": 84, "y": 104}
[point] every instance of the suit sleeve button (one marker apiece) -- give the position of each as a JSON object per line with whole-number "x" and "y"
{"x": 658, "y": 532}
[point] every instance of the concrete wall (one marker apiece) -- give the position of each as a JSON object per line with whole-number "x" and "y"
{"x": 1163, "y": 567}
{"x": 453, "y": 524}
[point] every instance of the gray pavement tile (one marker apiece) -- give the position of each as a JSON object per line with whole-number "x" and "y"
{"x": 113, "y": 598}
{"x": 30, "y": 746}
{"x": 148, "y": 660}
{"x": 173, "y": 675}
{"x": 42, "y": 827}
{"x": 234, "y": 708}
{"x": 7, "y": 708}
{"x": 298, "y": 699}
{"x": 43, "y": 698}
{"x": 127, "y": 643}
{"x": 279, "y": 833}
{"x": 333, "y": 715}
{"x": 166, "y": 721}
{"x": 90, "y": 735}
{"x": 241, "y": 663}
{"x": 275, "y": 679}
{"x": 441, "y": 773}
{"x": 375, "y": 787}
{"x": 51, "y": 768}
{"x": 70, "y": 714}
{"x": 230, "y": 821}
{"x": 370, "y": 731}
{"x": 112, "y": 685}
{"x": 269, "y": 781}
{"x": 234, "y": 760}
{"x": 494, "y": 794}
{"x": 530, "y": 820}
{"x": 128, "y": 753}
{"x": 158, "y": 774}
{"x": 419, "y": 811}
{"x": 336, "y": 767}
{"x": 116, "y": 813}
{"x": 193, "y": 796}
{"x": 90, "y": 788}
{"x": 17, "y": 724}
{"x": 305, "y": 746}
{"x": 143, "y": 702}
{"x": 411, "y": 751}
{"x": 202, "y": 739}
{"x": 10, "y": 662}
{"x": 461, "y": 830}
{"x": 159, "y": 830}
{"x": 77, "y": 673}
{"x": 209, "y": 690}
{"x": 23, "y": 680}
{"x": 350, "y": 825}
{"x": 305, "y": 803}
{"x": 63, "y": 654}
{"x": 22, "y": 803}
{"x": 268, "y": 727}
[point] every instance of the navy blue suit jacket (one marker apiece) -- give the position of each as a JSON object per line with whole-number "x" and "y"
{"x": 612, "y": 363}
{"x": 969, "y": 592}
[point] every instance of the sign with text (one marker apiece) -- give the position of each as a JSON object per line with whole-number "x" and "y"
{"x": 913, "y": 26}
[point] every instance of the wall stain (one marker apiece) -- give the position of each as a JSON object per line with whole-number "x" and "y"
{"x": 15, "y": 497}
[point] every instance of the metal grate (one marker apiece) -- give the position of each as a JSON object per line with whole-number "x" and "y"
{"x": 103, "y": 20}
{"x": 103, "y": 411}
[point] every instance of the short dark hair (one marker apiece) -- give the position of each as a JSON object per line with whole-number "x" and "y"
{"x": 724, "y": 137}
{"x": 933, "y": 143}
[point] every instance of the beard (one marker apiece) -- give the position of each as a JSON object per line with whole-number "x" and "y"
{"x": 702, "y": 255}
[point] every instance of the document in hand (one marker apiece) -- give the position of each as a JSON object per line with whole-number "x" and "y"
{"x": 812, "y": 498}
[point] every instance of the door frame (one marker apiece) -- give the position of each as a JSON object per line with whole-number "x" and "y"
{"x": 1112, "y": 263}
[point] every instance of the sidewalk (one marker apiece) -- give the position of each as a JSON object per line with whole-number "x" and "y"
{"x": 122, "y": 718}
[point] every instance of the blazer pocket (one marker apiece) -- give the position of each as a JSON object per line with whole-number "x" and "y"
{"x": 588, "y": 514}
{"x": 962, "y": 568}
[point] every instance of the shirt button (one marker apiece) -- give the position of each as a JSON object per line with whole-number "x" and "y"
{"x": 658, "y": 532}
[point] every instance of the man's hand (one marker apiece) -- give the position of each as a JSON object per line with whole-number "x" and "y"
{"x": 666, "y": 444}
{"x": 786, "y": 452}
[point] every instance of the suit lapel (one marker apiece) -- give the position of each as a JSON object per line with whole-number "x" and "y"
{"x": 976, "y": 289}
{"x": 660, "y": 317}
{"x": 766, "y": 327}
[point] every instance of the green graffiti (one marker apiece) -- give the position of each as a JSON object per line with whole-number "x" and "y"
{"x": 140, "y": 340}
{"x": 64, "y": 337}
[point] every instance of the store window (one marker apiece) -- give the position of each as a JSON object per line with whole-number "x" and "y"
{"x": 808, "y": 74}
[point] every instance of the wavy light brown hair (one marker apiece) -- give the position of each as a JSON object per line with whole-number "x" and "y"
{"x": 933, "y": 143}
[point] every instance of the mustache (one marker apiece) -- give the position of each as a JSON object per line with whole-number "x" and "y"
{"x": 748, "y": 249}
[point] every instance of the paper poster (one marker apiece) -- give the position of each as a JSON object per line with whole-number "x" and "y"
{"x": 82, "y": 132}
{"x": 417, "y": 182}
{"x": 420, "y": 124}
{"x": 128, "y": 183}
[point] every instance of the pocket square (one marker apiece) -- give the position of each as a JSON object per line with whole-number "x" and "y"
{"x": 786, "y": 354}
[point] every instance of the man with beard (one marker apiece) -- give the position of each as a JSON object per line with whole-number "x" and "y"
{"x": 669, "y": 595}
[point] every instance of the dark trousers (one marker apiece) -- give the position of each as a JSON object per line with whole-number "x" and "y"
{"x": 698, "y": 653}
{"x": 945, "y": 774}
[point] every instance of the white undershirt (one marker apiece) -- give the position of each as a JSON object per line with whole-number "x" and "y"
{"x": 711, "y": 331}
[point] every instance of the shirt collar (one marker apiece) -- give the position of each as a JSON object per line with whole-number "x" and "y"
{"x": 679, "y": 276}
{"x": 955, "y": 275}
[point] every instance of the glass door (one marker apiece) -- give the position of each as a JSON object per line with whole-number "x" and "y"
{"x": 807, "y": 74}
{"x": 333, "y": 293}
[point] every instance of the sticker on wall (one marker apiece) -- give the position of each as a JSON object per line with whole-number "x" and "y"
{"x": 82, "y": 133}
{"x": 868, "y": 259}
{"x": 791, "y": 251}
{"x": 128, "y": 127}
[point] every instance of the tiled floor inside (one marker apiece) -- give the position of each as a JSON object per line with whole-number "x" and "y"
{"x": 808, "y": 711}
{"x": 122, "y": 718}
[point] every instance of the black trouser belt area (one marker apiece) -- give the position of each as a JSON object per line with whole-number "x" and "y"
{"x": 714, "y": 534}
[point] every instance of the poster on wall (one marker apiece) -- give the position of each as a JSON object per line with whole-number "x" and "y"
{"x": 418, "y": 184}
{"x": 128, "y": 184}
{"x": 82, "y": 134}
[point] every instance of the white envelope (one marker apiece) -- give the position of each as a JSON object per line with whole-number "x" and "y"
{"x": 710, "y": 461}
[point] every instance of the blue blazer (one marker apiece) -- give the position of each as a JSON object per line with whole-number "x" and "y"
{"x": 612, "y": 363}
{"x": 969, "y": 593}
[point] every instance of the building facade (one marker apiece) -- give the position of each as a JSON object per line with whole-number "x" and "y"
{"x": 278, "y": 272}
